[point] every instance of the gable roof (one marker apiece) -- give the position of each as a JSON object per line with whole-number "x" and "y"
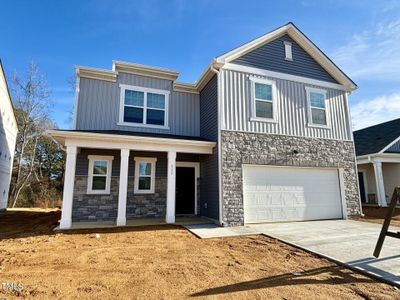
{"x": 291, "y": 30}
{"x": 377, "y": 138}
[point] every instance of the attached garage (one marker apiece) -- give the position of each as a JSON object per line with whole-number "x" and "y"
{"x": 279, "y": 194}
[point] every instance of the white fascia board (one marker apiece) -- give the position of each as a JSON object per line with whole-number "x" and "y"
{"x": 390, "y": 145}
{"x": 378, "y": 157}
{"x": 182, "y": 87}
{"x": 144, "y": 70}
{"x": 114, "y": 141}
{"x": 248, "y": 47}
{"x": 279, "y": 75}
{"x": 95, "y": 73}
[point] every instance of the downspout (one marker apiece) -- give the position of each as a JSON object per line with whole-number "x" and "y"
{"x": 219, "y": 80}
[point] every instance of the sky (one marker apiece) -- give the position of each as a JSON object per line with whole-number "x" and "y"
{"x": 361, "y": 37}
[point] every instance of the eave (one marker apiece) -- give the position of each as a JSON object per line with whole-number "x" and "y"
{"x": 138, "y": 143}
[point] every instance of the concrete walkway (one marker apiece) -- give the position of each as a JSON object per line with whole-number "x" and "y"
{"x": 345, "y": 241}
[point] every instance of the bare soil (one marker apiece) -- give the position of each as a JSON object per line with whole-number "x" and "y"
{"x": 164, "y": 262}
{"x": 377, "y": 215}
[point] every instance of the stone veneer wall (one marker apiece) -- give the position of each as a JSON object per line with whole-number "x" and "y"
{"x": 93, "y": 208}
{"x": 265, "y": 149}
{"x": 147, "y": 205}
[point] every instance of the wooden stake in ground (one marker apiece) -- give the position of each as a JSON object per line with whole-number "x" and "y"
{"x": 385, "y": 228}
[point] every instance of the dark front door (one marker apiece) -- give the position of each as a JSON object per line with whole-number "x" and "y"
{"x": 362, "y": 187}
{"x": 185, "y": 192}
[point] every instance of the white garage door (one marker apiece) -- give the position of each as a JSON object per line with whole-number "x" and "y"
{"x": 276, "y": 194}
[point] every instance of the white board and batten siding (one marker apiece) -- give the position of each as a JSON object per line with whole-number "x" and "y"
{"x": 292, "y": 108}
{"x": 279, "y": 194}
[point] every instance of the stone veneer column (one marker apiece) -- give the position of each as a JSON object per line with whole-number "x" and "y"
{"x": 380, "y": 187}
{"x": 68, "y": 193}
{"x": 123, "y": 187}
{"x": 171, "y": 179}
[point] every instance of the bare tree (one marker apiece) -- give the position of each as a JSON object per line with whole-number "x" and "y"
{"x": 31, "y": 97}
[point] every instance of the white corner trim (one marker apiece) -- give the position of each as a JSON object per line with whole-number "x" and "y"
{"x": 107, "y": 159}
{"x": 275, "y": 100}
{"x": 284, "y": 76}
{"x": 326, "y": 109}
{"x": 342, "y": 192}
{"x": 75, "y": 116}
{"x": 196, "y": 166}
{"x": 152, "y": 161}
{"x": 145, "y": 90}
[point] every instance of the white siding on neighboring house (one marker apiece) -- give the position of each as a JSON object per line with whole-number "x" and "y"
{"x": 8, "y": 134}
{"x": 292, "y": 108}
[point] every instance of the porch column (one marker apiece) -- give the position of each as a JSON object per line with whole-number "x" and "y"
{"x": 380, "y": 187}
{"x": 68, "y": 193}
{"x": 171, "y": 179}
{"x": 123, "y": 187}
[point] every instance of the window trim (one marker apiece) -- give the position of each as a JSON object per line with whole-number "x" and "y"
{"x": 124, "y": 87}
{"x": 309, "y": 107}
{"x": 152, "y": 161}
{"x": 93, "y": 158}
{"x": 275, "y": 105}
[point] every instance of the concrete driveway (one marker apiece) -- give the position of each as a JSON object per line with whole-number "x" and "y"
{"x": 345, "y": 241}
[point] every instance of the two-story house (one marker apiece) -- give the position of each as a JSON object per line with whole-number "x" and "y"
{"x": 8, "y": 137}
{"x": 264, "y": 135}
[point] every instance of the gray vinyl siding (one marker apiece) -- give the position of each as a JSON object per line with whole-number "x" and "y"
{"x": 99, "y": 103}
{"x": 209, "y": 110}
{"x": 394, "y": 148}
{"x": 271, "y": 56}
{"x": 209, "y": 175}
{"x": 292, "y": 109}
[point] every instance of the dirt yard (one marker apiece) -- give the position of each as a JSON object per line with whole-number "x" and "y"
{"x": 377, "y": 215}
{"x": 164, "y": 262}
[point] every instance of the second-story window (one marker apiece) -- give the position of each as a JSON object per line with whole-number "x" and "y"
{"x": 317, "y": 107}
{"x": 264, "y": 100}
{"x": 143, "y": 107}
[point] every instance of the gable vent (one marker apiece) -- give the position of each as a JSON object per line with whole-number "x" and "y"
{"x": 288, "y": 50}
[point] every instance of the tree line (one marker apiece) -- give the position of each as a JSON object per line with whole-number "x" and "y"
{"x": 38, "y": 167}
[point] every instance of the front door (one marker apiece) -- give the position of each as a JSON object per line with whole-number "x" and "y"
{"x": 185, "y": 191}
{"x": 362, "y": 187}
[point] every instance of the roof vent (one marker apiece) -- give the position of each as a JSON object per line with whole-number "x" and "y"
{"x": 288, "y": 50}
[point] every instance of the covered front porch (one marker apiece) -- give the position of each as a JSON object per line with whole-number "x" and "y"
{"x": 130, "y": 180}
{"x": 378, "y": 175}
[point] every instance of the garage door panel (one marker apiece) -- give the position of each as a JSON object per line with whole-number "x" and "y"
{"x": 274, "y": 194}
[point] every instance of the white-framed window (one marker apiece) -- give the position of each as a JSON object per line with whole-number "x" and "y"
{"x": 264, "y": 100}
{"x": 145, "y": 175}
{"x": 317, "y": 107}
{"x": 143, "y": 107}
{"x": 288, "y": 50}
{"x": 99, "y": 174}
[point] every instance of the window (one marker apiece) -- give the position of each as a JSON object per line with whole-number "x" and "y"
{"x": 145, "y": 173}
{"x": 317, "y": 107}
{"x": 288, "y": 50}
{"x": 264, "y": 100}
{"x": 143, "y": 107}
{"x": 99, "y": 178}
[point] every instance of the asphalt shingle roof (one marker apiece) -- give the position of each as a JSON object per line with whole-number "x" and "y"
{"x": 373, "y": 139}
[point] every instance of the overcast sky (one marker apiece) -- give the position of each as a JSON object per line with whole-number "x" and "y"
{"x": 362, "y": 37}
